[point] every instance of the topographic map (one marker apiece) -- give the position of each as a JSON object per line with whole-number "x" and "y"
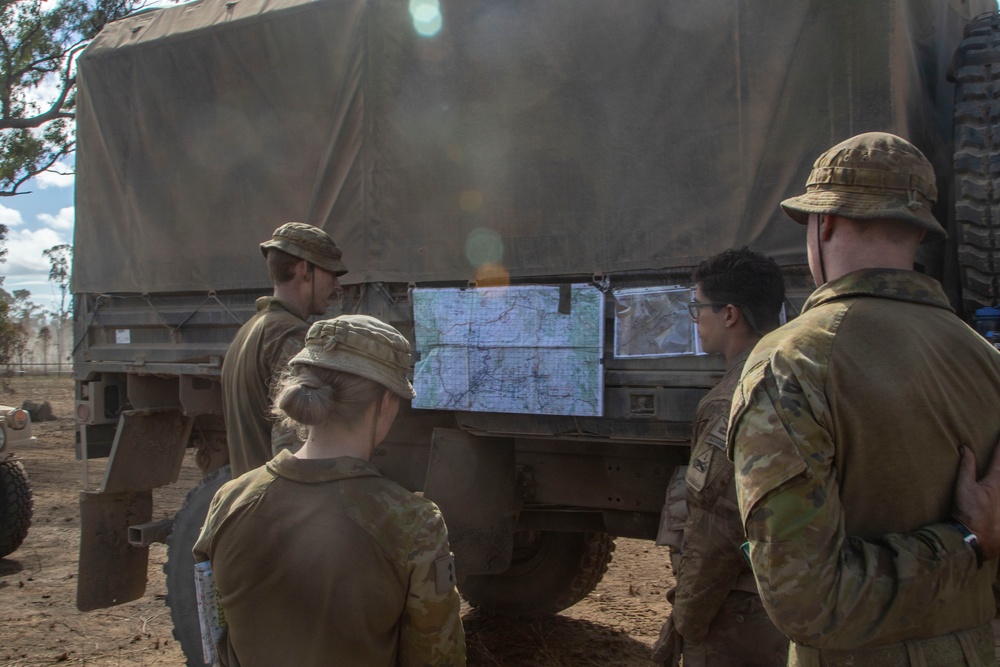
{"x": 532, "y": 349}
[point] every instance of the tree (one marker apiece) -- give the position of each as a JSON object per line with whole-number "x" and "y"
{"x": 22, "y": 311}
{"x": 9, "y": 334}
{"x": 39, "y": 42}
{"x": 23, "y": 308}
{"x": 45, "y": 337}
{"x": 59, "y": 257}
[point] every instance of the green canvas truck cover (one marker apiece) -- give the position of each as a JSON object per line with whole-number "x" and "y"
{"x": 550, "y": 137}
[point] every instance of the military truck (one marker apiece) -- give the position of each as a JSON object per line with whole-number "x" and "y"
{"x": 522, "y": 188}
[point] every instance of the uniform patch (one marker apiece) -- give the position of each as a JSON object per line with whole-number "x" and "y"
{"x": 698, "y": 471}
{"x": 717, "y": 434}
{"x": 444, "y": 574}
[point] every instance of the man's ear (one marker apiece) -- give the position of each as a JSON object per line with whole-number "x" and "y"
{"x": 302, "y": 270}
{"x": 733, "y": 315}
{"x": 387, "y": 399}
{"x": 827, "y": 224}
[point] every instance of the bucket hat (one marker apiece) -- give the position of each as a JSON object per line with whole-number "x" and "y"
{"x": 309, "y": 243}
{"x": 361, "y": 345}
{"x": 871, "y": 176}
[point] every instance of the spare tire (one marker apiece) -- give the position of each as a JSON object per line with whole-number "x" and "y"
{"x": 976, "y": 73}
{"x": 15, "y": 506}
{"x": 179, "y": 567}
{"x": 550, "y": 571}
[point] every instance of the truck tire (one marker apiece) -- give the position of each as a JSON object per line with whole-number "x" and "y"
{"x": 15, "y": 506}
{"x": 550, "y": 571}
{"x": 976, "y": 72}
{"x": 179, "y": 567}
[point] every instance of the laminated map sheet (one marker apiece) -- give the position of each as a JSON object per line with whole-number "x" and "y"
{"x": 653, "y": 322}
{"x": 533, "y": 349}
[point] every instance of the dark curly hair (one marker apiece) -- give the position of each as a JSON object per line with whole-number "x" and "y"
{"x": 747, "y": 279}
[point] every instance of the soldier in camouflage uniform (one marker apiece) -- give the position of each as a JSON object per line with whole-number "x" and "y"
{"x": 318, "y": 559}
{"x": 717, "y": 618}
{"x": 305, "y": 265}
{"x": 849, "y": 427}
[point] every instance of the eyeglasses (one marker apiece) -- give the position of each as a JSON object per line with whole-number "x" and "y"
{"x": 694, "y": 306}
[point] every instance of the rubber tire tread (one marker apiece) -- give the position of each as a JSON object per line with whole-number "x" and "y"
{"x": 15, "y": 506}
{"x": 179, "y": 567}
{"x": 564, "y": 569}
{"x": 977, "y": 161}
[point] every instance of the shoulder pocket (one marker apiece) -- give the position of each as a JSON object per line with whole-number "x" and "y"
{"x": 764, "y": 454}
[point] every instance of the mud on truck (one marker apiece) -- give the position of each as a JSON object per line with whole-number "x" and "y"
{"x": 522, "y": 188}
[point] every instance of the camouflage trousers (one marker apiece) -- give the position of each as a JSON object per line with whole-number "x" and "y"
{"x": 741, "y": 635}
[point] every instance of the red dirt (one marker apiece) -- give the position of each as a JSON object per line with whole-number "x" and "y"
{"x": 40, "y": 625}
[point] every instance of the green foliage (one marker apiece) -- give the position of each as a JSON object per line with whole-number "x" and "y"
{"x": 10, "y": 334}
{"x": 39, "y": 42}
{"x": 59, "y": 272}
{"x": 59, "y": 257}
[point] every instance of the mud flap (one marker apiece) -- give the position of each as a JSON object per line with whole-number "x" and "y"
{"x": 473, "y": 480}
{"x": 148, "y": 450}
{"x": 111, "y": 570}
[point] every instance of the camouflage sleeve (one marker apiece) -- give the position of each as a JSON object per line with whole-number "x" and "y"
{"x": 821, "y": 587}
{"x": 431, "y": 631}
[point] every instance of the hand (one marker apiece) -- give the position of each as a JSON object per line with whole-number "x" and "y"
{"x": 668, "y": 647}
{"x": 977, "y": 502}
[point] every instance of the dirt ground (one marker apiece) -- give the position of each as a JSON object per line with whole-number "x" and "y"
{"x": 40, "y": 625}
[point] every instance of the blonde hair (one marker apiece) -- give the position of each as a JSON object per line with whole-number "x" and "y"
{"x": 306, "y": 395}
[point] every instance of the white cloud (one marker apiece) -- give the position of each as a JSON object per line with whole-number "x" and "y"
{"x": 24, "y": 253}
{"x": 51, "y": 179}
{"x": 10, "y": 217}
{"x": 45, "y": 93}
{"x": 62, "y": 220}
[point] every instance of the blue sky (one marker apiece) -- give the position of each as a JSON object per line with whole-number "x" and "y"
{"x": 37, "y": 221}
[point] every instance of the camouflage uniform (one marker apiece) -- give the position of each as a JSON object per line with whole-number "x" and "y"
{"x": 716, "y": 606}
{"x": 260, "y": 350}
{"x": 845, "y": 434}
{"x": 355, "y": 570}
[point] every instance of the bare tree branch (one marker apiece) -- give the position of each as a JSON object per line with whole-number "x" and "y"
{"x": 39, "y": 40}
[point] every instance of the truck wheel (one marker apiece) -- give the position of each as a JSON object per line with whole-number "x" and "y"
{"x": 977, "y": 160}
{"x": 15, "y": 506}
{"x": 550, "y": 571}
{"x": 179, "y": 567}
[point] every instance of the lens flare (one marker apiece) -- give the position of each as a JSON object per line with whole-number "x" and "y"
{"x": 470, "y": 200}
{"x": 426, "y": 17}
{"x": 483, "y": 246}
{"x": 492, "y": 275}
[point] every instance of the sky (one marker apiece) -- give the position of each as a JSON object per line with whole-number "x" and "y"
{"x": 40, "y": 218}
{"x": 35, "y": 222}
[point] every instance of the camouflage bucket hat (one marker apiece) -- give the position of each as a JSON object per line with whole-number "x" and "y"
{"x": 871, "y": 176}
{"x": 309, "y": 243}
{"x": 361, "y": 345}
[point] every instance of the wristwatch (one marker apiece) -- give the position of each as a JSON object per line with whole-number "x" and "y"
{"x": 970, "y": 539}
